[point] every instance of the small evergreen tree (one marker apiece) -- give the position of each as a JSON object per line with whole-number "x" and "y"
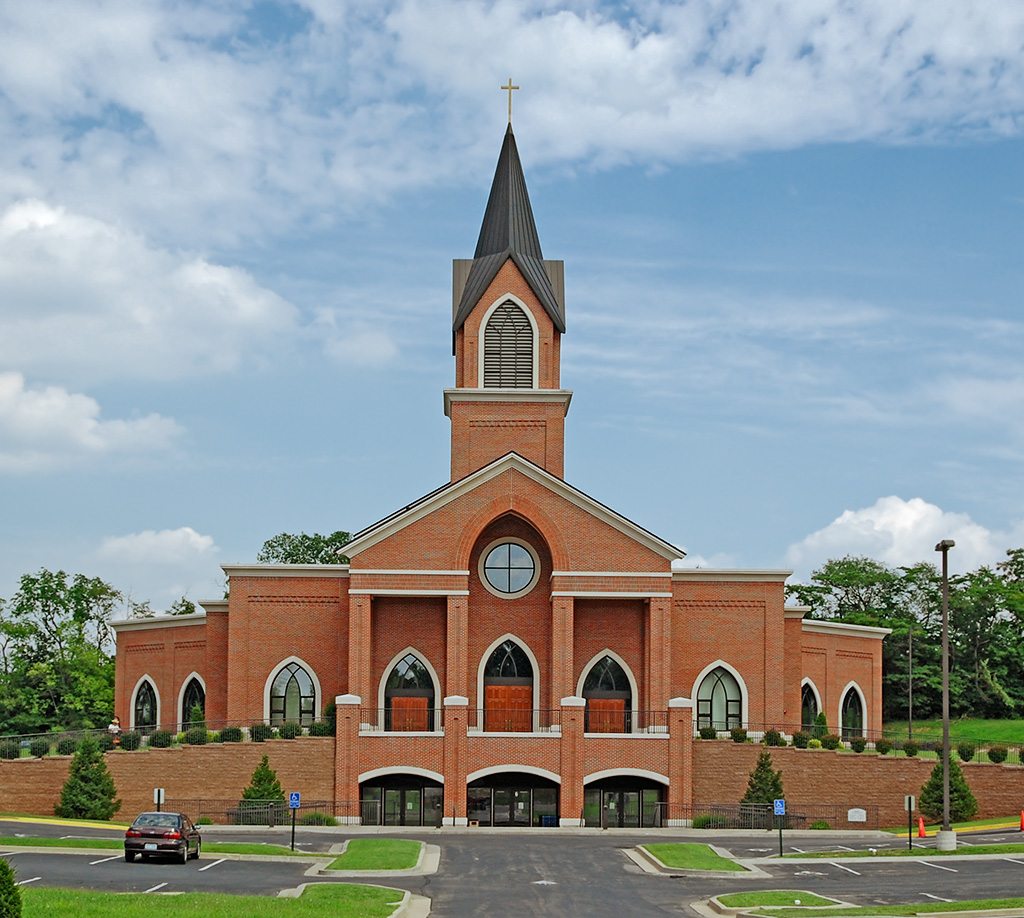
{"x": 10, "y": 895}
{"x": 264, "y": 784}
{"x": 765, "y": 784}
{"x": 89, "y": 792}
{"x": 962, "y": 804}
{"x": 820, "y": 727}
{"x": 196, "y": 717}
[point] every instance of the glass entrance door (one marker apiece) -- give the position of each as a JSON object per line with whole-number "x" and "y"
{"x": 402, "y": 807}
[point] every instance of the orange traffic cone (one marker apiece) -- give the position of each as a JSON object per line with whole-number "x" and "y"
{"x": 920, "y": 827}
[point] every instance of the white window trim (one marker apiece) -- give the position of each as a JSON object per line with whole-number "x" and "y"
{"x": 505, "y": 769}
{"x": 401, "y": 770}
{"x": 145, "y": 677}
{"x": 181, "y": 695}
{"x": 504, "y": 298}
{"x": 382, "y": 685}
{"x": 863, "y": 706}
{"x": 483, "y": 573}
{"x": 480, "y": 681}
{"x": 317, "y": 693}
{"x": 744, "y": 694}
{"x": 634, "y": 701}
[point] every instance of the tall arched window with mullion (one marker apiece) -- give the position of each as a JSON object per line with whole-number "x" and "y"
{"x": 852, "y": 714}
{"x": 508, "y": 348}
{"x": 409, "y": 702}
{"x": 144, "y": 718}
{"x": 609, "y": 698}
{"x": 292, "y": 697}
{"x": 508, "y": 689}
{"x": 193, "y": 701}
{"x": 719, "y": 701}
{"x": 808, "y": 707}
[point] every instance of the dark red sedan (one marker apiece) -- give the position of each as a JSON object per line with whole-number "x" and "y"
{"x": 166, "y": 834}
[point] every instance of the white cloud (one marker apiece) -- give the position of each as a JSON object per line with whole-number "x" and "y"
{"x": 160, "y": 566}
{"x": 903, "y": 532}
{"x": 692, "y": 561}
{"x": 361, "y": 346}
{"x": 47, "y": 427}
{"x": 91, "y": 300}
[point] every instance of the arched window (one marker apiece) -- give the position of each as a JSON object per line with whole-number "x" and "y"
{"x": 719, "y": 700}
{"x": 508, "y": 689}
{"x": 808, "y": 706}
{"x": 194, "y": 696}
{"x": 409, "y": 696}
{"x": 292, "y": 696}
{"x": 609, "y": 698}
{"x": 852, "y": 714}
{"x": 508, "y": 348}
{"x": 145, "y": 706}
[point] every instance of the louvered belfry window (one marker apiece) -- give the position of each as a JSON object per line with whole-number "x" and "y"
{"x": 508, "y": 349}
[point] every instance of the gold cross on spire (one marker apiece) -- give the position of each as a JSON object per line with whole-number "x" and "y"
{"x": 509, "y": 88}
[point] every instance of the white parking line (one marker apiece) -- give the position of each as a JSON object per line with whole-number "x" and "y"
{"x": 105, "y": 859}
{"x": 214, "y": 864}
{"x": 847, "y": 869}
{"x": 26, "y": 882}
{"x": 936, "y": 898}
{"x": 797, "y": 850}
{"x": 155, "y": 888}
{"x": 1012, "y": 861}
{"x": 842, "y": 847}
{"x": 938, "y": 866}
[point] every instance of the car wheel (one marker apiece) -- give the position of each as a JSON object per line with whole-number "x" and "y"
{"x": 184, "y": 853}
{"x": 129, "y": 856}
{"x": 199, "y": 847}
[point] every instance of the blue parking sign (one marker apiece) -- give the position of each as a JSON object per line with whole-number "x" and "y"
{"x": 294, "y": 800}
{"x": 780, "y": 807}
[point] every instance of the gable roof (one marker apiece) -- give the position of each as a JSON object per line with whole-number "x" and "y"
{"x": 382, "y": 529}
{"x": 508, "y": 231}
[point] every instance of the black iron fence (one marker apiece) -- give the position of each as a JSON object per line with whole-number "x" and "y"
{"x": 761, "y": 816}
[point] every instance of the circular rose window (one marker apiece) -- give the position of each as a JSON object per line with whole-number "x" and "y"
{"x": 509, "y": 568}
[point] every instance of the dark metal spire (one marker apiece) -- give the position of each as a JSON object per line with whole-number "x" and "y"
{"x": 508, "y": 231}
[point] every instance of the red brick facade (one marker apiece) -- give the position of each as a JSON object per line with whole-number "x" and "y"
{"x": 603, "y": 587}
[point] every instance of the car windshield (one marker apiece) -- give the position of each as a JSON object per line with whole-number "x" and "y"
{"x": 160, "y": 820}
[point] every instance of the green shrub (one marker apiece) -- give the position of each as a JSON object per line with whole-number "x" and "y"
{"x": 331, "y": 718}
{"x": 196, "y": 736}
{"x": 230, "y": 735}
{"x": 106, "y": 741}
{"x": 819, "y": 824}
{"x": 801, "y": 738}
{"x": 9, "y": 749}
{"x": 965, "y": 751}
{"x": 160, "y": 739}
{"x": 263, "y": 785}
{"x": 814, "y": 743}
{"x": 204, "y": 821}
{"x": 883, "y": 746}
{"x": 39, "y": 747}
{"x": 910, "y": 748}
{"x": 259, "y": 732}
{"x": 89, "y": 791}
{"x": 820, "y": 727}
{"x": 321, "y": 728}
{"x": 289, "y": 730}
{"x": 131, "y": 740}
{"x": 708, "y": 733}
{"x": 196, "y": 717}
{"x": 858, "y": 744}
{"x": 962, "y": 805}
{"x": 738, "y": 734}
{"x": 318, "y": 819}
{"x": 10, "y": 895}
{"x": 773, "y": 738}
{"x": 67, "y": 745}
{"x": 765, "y": 783}
{"x": 830, "y": 741}
{"x": 703, "y": 822}
{"x": 997, "y": 754}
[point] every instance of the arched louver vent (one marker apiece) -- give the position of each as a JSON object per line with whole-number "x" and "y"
{"x": 508, "y": 349}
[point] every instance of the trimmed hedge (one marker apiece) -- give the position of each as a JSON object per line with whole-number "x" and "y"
{"x": 317, "y": 819}
{"x": 289, "y": 730}
{"x": 997, "y": 754}
{"x": 738, "y": 734}
{"x": 910, "y": 748}
{"x": 883, "y": 746}
{"x": 161, "y": 739}
{"x": 260, "y": 732}
{"x": 965, "y": 751}
{"x": 39, "y": 747}
{"x": 321, "y": 728}
{"x": 9, "y": 749}
{"x": 131, "y": 740}
{"x": 196, "y": 736}
{"x": 830, "y": 741}
{"x": 67, "y": 745}
{"x": 773, "y": 738}
{"x": 708, "y": 733}
{"x": 230, "y": 735}
{"x": 857, "y": 744}
{"x": 801, "y": 738}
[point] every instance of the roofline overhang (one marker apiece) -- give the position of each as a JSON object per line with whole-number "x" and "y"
{"x": 158, "y": 621}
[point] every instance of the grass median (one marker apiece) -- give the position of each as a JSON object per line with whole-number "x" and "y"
{"x": 116, "y": 844}
{"x": 776, "y": 897}
{"x": 378, "y": 854}
{"x": 690, "y": 856}
{"x": 340, "y": 900}
{"x": 918, "y": 908}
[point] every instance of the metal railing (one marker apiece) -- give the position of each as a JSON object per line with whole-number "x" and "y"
{"x": 761, "y": 816}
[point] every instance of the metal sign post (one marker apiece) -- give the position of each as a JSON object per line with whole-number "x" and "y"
{"x": 294, "y": 802}
{"x": 910, "y": 803}
{"x": 158, "y": 797}
{"x": 779, "y": 808}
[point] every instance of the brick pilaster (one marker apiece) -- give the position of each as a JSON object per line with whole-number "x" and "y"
{"x": 456, "y": 668}
{"x": 680, "y": 761}
{"x": 455, "y": 759}
{"x": 562, "y": 665}
{"x": 346, "y": 759}
{"x": 570, "y": 797}
{"x": 659, "y": 640}
{"x": 359, "y": 638}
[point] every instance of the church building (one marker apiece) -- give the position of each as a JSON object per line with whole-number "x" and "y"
{"x": 507, "y": 649}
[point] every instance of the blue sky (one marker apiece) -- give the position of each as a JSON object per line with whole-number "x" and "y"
{"x": 792, "y": 236}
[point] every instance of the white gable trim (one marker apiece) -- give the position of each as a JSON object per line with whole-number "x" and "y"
{"x": 512, "y": 461}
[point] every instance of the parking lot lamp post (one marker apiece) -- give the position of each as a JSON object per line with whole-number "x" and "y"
{"x": 946, "y": 839}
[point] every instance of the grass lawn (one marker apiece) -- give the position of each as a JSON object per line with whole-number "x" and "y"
{"x": 115, "y": 844}
{"x": 917, "y": 852}
{"x": 773, "y": 897}
{"x": 57, "y": 821}
{"x": 920, "y": 908}
{"x": 340, "y": 900}
{"x": 1012, "y": 820}
{"x": 378, "y": 854}
{"x": 690, "y": 856}
{"x": 1009, "y": 732}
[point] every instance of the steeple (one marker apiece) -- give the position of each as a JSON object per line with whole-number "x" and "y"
{"x": 509, "y": 231}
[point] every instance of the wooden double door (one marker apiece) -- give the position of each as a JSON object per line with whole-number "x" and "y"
{"x": 508, "y": 706}
{"x": 607, "y": 715}
{"x": 409, "y": 712}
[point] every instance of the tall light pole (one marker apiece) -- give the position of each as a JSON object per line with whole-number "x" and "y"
{"x": 946, "y": 839}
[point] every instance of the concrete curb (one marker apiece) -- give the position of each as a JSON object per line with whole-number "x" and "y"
{"x": 650, "y": 863}
{"x": 427, "y": 863}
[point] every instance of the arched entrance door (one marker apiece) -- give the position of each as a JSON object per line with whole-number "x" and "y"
{"x": 401, "y": 800}
{"x": 623, "y": 802}
{"x": 508, "y": 689}
{"x": 513, "y": 799}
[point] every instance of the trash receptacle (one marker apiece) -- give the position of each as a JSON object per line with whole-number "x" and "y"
{"x": 549, "y": 822}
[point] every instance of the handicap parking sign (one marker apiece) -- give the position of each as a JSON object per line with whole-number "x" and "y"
{"x": 294, "y": 800}
{"x": 780, "y": 807}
